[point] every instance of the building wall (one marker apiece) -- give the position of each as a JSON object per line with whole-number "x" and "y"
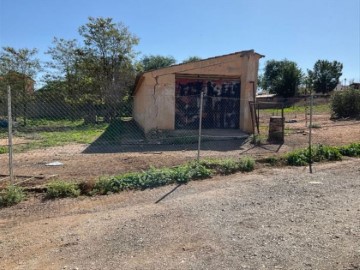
{"x": 154, "y": 102}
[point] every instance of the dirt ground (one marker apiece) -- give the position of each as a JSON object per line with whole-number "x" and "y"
{"x": 273, "y": 218}
{"x": 86, "y": 162}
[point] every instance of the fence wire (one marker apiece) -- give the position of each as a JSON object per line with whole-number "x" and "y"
{"x": 86, "y": 139}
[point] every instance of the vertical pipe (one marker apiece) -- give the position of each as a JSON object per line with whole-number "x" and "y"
{"x": 258, "y": 117}
{"x": 10, "y": 143}
{"x": 310, "y": 129}
{"x": 200, "y": 124}
{"x": 283, "y": 122}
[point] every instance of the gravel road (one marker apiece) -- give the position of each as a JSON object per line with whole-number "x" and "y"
{"x": 273, "y": 218}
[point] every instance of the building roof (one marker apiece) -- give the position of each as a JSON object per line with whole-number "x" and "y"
{"x": 140, "y": 78}
{"x": 210, "y": 58}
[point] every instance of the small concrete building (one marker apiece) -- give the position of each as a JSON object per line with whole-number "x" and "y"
{"x": 169, "y": 98}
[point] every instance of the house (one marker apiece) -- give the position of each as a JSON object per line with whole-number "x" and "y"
{"x": 18, "y": 81}
{"x": 169, "y": 98}
{"x": 355, "y": 85}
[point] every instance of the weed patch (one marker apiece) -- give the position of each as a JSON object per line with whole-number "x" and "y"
{"x": 151, "y": 178}
{"x": 351, "y": 150}
{"x": 62, "y": 189}
{"x": 3, "y": 150}
{"x": 11, "y": 195}
{"x": 229, "y": 166}
{"x": 319, "y": 153}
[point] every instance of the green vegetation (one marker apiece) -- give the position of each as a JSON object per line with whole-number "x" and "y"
{"x": 3, "y": 150}
{"x": 351, "y": 150}
{"x": 11, "y": 195}
{"x": 164, "y": 176}
{"x": 152, "y": 178}
{"x": 315, "y": 125}
{"x": 150, "y": 62}
{"x": 318, "y": 153}
{"x": 346, "y": 104}
{"x": 229, "y": 166}
{"x": 49, "y": 136}
{"x": 281, "y": 77}
{"x": 297, "y": 109}
{"x": 258, "y": 139}
{"x": 62, "y": 189}
{"x": 325, "y": 75}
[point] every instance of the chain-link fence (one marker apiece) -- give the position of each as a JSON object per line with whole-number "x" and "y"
{"x": 83, "y": 139}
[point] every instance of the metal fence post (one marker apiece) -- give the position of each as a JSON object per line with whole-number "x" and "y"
{"x": 10, "y": 143}
{"x": 200, "y": 124}
{"x": 310, "y": 129}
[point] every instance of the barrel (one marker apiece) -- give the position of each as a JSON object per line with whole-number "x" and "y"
{"x": 276, "y": 129}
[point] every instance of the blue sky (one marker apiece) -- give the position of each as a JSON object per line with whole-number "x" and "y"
{"x": 301, "y": 31}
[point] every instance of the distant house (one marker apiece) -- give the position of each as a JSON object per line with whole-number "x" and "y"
{"x": 18, "y": 80}
{"x": 355, "y": 85}
{"x": 169, "y": 98}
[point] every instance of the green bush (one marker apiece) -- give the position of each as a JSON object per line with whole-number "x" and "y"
{"x": 229, "y": 166}
{"x": 246, "y": 164}
{"x": 298, "y": 158}
{"x": 3, "y": 150}
{"x": 11, "y": 195}
{"x": 346, "y": 104}
{"x": 151, "y": 178}
{"x": 319, "y": 153}
{"x": 62, "y": 189}
{"x": 352, "y": 150}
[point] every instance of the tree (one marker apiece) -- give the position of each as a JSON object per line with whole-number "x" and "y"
{"x": 325, "y": 75}
{"x": 281, "y": 77}
{"x": 191, "y": 59}
{"x": 17, "y": 69}
{"x": 151, "y": 62}
{"x": 100, "y": 71}
{"x": 66, "y": 55}
{"x": 108, "y": 56}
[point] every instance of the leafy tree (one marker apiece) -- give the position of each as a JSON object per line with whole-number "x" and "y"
{"x": 325, "y": 75}
{"x": 100, "y": 71}
{"x": 17, "y": 68}
{"x": 150, "y": 62}
{"x": 191, "y": 59}
{"x": 281, "y": 77}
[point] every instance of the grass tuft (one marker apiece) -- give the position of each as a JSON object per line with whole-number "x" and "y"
{"x": 229, "y": 166}
{"x": 3, "y": 150}
{"x": 62, "y": 189}
{"x": 11, "y": 195}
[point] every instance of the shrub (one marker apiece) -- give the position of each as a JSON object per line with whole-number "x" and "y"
{"x": 319, "y": 153}
{"x": 298, "y": 158}
{"x": 346, "y": 104}
{"x": 246, "y": 164}
{"x": 151, "y": 178}
{"x": 62, "y": 189}
{"x": 3, "y": 150}
{"x": 323, "y": 152}
{"x": 352, "y": 150}
{"x": 11, "y": 195}
{"x": 228, "y": 166}
{"x": 199, "y": 171}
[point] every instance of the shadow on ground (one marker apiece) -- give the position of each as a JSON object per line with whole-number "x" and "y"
{"x": 126, "y": 136}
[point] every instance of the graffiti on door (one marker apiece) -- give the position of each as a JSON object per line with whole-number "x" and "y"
{"x": 221, "y": 106}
